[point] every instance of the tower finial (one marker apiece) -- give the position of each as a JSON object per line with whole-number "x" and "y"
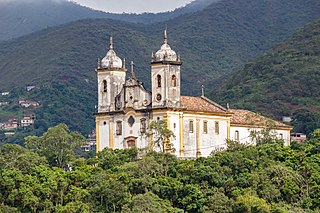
{"x": 99, "y": 63}
{"x": 124, "y": 63}
{"x": 111, "y": 43}
{"x": 132, "y": 70}
{"x": 202, "y": 90}
{"x": 165, "y": 36}
{"x": 179, "y": 58}
{"x": 152, "y": 57}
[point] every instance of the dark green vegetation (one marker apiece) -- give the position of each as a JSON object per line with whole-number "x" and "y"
{"x": 283, "y": 82}
{"x": 21, "y": 17}
{"x": 213, "y": 43}
{"x": 264, "y": 178}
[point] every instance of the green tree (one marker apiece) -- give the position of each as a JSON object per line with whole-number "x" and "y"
{"x": 160, "y": 135}
{"x": 305, "y": 121}
{"x": 218, "y": 203}
{"x": 191, "y": 198}
{"x": 57, "y": 144}
{"x": 251, "y": 204}
{"x": 13, "y": 156}
{"x": 149, "y": 203}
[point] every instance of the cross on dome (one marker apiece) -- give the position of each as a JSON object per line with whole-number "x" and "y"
{"x": 111, "y": 43}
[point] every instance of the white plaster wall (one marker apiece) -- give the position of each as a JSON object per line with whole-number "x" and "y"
{"x": 168, "y": 93}
{"x": 174, "y": 126}
{"x": 115, "y": 81}
{"x": 127, "y": 131}
{"x": 104, "y": 134}
{"x": 158, "y": 70}
{"x": 189, "y": 138}
{"x": 119, "y": 139}
{"x": 212, "y": 141}
{"x": 286, "y": 136}
{"x": 173, "y": 93}
{"x": 244, "y": 134}
{"x": 208, "y": 142}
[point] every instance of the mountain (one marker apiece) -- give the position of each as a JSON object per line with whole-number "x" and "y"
{"x": 281, "y": 82}
{"x": 213, "y": 43}
{"x": 148, "y": 18}
{"x": 18, "y": 18}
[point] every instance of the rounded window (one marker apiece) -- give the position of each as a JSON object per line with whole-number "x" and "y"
{"x": 159, "y": 97}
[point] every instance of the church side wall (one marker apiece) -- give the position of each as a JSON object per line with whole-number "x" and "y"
{"x": 244, "y": 134}
{"x": 198, "y": 140}
{"x": 213, "y": 141}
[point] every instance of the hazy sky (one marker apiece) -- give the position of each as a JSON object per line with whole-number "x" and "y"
{"x": 133, "y": 6}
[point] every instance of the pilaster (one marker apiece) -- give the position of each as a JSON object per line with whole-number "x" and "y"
{"x": 111, "y": 133}
{"x": 181, "y": 151}
{"x": 97, "y": 136}
{"x": 198, "y": 137}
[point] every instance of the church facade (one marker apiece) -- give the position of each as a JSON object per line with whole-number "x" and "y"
{"x": 200, "y": 125}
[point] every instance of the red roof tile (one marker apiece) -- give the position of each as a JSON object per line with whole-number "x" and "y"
{"x": 246, "y": 117}
{"x": 201, "y": 104}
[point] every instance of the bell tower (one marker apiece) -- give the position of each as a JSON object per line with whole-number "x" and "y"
{"x": 165, "y": 76}
{"x": 111, "y": 74}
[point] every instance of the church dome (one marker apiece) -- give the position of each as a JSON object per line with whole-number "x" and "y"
{"x": 111, "y": 60}
{"x": 166, "y": 53}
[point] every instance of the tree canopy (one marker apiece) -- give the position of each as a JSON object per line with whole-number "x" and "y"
{"x": 268, "y": 177}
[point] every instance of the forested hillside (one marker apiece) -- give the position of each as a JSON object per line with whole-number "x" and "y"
{"x": 60, "y": 61}
{"x": 283, "y": 82}
{"x": 267, "y": 178}
{"x": 18, "y": 18}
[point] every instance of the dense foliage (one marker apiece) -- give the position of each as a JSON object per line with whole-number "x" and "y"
{"x": 213, "y": 43}
{"x": 264, "y": 178}
{"x": 283, "y": 82}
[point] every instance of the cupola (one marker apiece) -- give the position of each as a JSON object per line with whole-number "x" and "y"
{"x": 165, "y": 53}
{"x": 111, "y": 60}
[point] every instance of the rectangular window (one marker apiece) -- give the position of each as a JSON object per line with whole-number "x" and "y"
{"x": 143, "y": 125}
{"x": 216, "y": 127}
{"x": 119, "y": 128}
{"x": 191, "y": 126}
{"x": 205, "y": 127}
{"x": 281, "y": 136}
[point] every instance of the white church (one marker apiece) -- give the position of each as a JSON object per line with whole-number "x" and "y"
{"x": 200, "y": 126}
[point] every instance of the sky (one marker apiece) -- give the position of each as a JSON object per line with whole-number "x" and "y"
{"x": 133, "y": 6}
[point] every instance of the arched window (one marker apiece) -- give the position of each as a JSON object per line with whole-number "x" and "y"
{"x": 281, "y": 136}
{"x": 191, "y": 126}
{"x": 174, "y": 81}
{"x": 216, "y": 127}
{"x": 236, "y": 135}
{"x": 104, "y": 86}
{"x": 159, "y": 80}
{"x": 131, "y": 144}
{"x": 205, "y": 127}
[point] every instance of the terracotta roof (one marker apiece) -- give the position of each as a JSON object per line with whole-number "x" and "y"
{"x": 246, "y": 117}
{"x": 201, "y": 104}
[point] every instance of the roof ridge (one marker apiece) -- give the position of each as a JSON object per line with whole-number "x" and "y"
{"x": 213, "y": 103}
